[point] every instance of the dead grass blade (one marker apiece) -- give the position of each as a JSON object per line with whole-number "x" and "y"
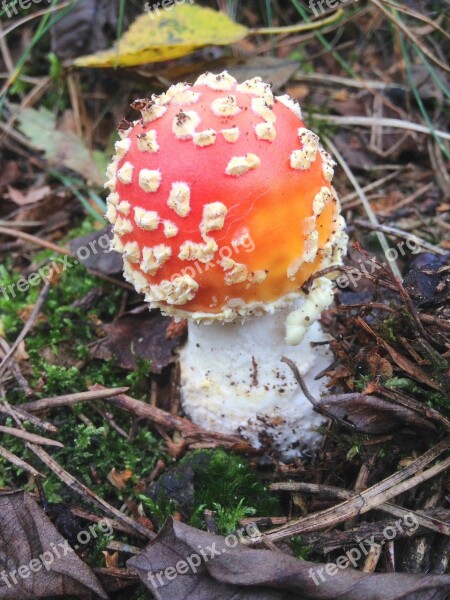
{"x": 70, "y": 399}
{"x": 330, "y": 491}
{"x": 366, "y": 204}
{"x": 87, "y": 494}
{"x": 27, "y": 327}
{"x": 355, "y": 120}
{"x": 15, "y": 460}
{"x": 398, "y": 24}
{"x": 30, "y": 437}
{"x": 368, "y": 499}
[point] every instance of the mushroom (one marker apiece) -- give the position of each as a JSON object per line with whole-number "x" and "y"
{"x": 222, "y": 207}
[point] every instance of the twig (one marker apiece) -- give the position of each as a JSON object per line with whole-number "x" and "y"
{"x": 430, "y": 320}
{"x": 6, "y": 54}
{"x": 125, "y": 548}
{"x": 415, "y": 405}
{"x": 408, "y": 200}
{"x": 301, "y": 382}
{"x": 402, "y": 234}
{"x": 34, "y": 240}
{"x": 194, "y": 435}
{"x": 328, "y": 541}
{"x": 383, "y": 122}
{"x": 419, "y": 16}
{"x": 15, "y": 460}
{"x": 35, "y": 15}
{"x": 366, "y": 306}
{"x": 87, "y": 516}
{"x": 371, "y": 186}
{"x": 398, "y": 23}
{"x": 365, "y": 202}
{"x": 401, "y": 290}
{"x": 86, "y": 493}
{"x": 71, "y": 399}
{"x": 306, "y": 287}
{"x": 15, "y": 369}
{"x": 24, "y": 416}
{"x": 368, "y": 499}
{"x": 439, "y": 165}
{"x": 335, "y": 79}
{"x": 329, "y": 491}
{"x": 372, "y": 559}
{"x": 28, "y": 325}
{"x": 30, "y": 437}
{"x": 399, "y": 359}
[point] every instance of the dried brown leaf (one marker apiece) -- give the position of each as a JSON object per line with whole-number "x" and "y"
{"x": 276, "y": 70}
{"x": 26, "y": 534}
{"x": 241, "y": 573}
{"x": 30, "y": 197}
{"x": 138, "y": 336}
{"x": 100, "y": 258}
{"x": 370, "y": 414}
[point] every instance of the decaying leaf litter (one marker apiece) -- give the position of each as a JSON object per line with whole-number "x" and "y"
{"x": 85, "y": 366}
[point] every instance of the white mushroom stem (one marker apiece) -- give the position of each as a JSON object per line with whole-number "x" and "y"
{"x": 233, "y": 380}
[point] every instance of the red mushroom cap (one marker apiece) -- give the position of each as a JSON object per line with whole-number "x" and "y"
{"x": 221, "y": 200}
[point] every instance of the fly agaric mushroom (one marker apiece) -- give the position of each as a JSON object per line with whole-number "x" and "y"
{"x": 222, "y": 207}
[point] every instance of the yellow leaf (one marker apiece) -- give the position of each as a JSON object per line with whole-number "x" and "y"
{"x": 167, "y": 34}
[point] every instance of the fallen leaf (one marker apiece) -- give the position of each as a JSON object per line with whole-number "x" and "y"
{"x": 21, "y": 352}
{"x": 354, "y": 150}
{"x": 119, "y": 478}
{"x": 61, "y": 148}
{"x": 428, "y": 285}
{"x": 89, "y": 25}
{"x": 379, "y": 366}
{"x": 30, "y": 197}
{"x": 35, "y": 559}
{"x": 298, "y": 91}
{"x": 370, "y": 414}
{"x": 401, "y": 361}
{"x": 162, "y": 35}
{"x": 134, "y": 337}
{"x": 10, "y": 172}
{"x": 111, "y": 560}
{"x": 233, "y": 571}
{"x": 341, "y": 95}
{"x": 276, "y": 70}
{"x": 429, "y": 87}
{"x": 100, "y": 258}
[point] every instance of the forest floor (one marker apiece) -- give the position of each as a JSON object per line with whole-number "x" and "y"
{"x": 94, "y": 447}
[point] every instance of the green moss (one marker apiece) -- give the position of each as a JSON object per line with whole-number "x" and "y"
{"x": 387, "y": 329}
{"x": 224, "y": 482}
{"x": 228, "y": 517}
{"x": 214, "y": 480}
{"x": 9, "y": 473}
{"x": 361, "y": 382}
{"x": 433, "y": 398}
{"x": 59, "y": 363}
{"x": 299, "y": 548}
{"x": 94, "y": 450}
